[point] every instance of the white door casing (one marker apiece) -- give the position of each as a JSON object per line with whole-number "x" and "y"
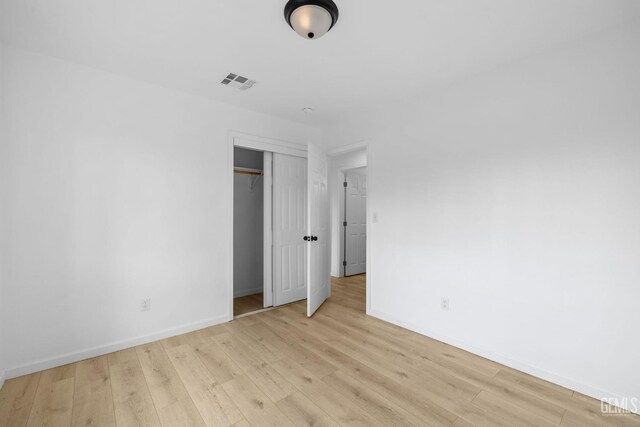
{"x": 356, "y": 219}
{"x": 289, "y": 228}
{"x": 267, "y": 227}
{"x": 318, "y": 268}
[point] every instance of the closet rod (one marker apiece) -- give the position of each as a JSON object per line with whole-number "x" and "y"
{"x": 247, "y": 171}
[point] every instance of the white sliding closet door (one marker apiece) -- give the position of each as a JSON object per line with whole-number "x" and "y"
{"x": 289, "y": 228}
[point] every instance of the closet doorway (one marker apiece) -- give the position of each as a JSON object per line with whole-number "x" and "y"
{"x": 295, "y": 235}
{"x": 269, "y": 225}
{"x": 248, "y": 230}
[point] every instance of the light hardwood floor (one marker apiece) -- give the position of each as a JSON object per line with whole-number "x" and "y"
{"x": 280, "y": 368}
{"x": 247, "y": 304}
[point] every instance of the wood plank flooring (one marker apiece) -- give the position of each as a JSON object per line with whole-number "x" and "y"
{"x": 247, "y": 304}
{"x": 279, "y": 368}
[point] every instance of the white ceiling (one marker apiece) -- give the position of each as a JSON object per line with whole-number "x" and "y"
{"x": 380, "y": 52}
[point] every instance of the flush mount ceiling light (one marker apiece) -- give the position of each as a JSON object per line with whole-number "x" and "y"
{"x": 311, "y": 19}
{"x": 307, "y": 110}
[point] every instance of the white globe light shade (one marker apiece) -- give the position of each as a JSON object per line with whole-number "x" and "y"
{"x": 311, "y": 21}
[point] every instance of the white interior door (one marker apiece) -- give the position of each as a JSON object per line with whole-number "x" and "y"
{"x": 318, "y": 268}
{"x": 289, "y": 228}
{"x": 356, "y": 219}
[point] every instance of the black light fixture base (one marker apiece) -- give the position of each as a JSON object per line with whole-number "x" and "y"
{"x": 328, "y": 5}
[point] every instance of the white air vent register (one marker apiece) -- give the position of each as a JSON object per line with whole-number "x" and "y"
{"x": 239, "y": 82}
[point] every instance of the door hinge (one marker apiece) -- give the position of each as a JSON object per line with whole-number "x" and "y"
{"x": 345, "y": 183}
{"x": 344, "y": 263}
{"x": 344, "y": 223}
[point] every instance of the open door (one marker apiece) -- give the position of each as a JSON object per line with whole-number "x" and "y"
{"x": 318, "y": 268}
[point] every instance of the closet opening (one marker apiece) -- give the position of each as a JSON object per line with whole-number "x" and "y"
{"x": 269, "y": 229}
{"x": 248, "y": 231}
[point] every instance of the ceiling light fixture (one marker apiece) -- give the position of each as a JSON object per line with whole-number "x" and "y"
{"x": 311, "y": 19}
{"x": 307, "y": 110}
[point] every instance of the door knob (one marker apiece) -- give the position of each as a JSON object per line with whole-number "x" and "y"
{"x": 314, "y": 238}
{"x": 307, "y": 238}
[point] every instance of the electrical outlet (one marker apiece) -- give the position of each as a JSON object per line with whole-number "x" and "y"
{"x": 444, "y": 304}
{"x": 145, "y": 305}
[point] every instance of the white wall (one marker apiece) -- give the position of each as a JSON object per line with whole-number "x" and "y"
{"x": 248, "y": 225}
{"x": 120, "y": 191}
{"x": 3, "y": 250}
{"x": 243, "y": 157}
{"x": 337, "y": 164}
{"x": 516, "y": 194}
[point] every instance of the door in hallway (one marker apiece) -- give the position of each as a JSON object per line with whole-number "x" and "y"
{"x": 356, "y": 223}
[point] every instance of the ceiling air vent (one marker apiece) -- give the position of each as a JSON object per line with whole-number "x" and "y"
{"x": 238, "y": 82}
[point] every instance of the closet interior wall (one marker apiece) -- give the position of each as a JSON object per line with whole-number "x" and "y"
{"x": 247, "y": 224}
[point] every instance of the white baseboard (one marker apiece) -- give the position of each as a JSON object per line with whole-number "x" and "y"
{"x": 246, "y": 292}
{"x": 2, "y": 373}
{"x": 587, "y": 390}
{"x": 31, "y": 367}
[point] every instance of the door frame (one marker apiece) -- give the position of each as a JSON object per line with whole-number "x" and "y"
{"x": 259, "y": 143}
{"x": 367, "y": 145}
{"x": 267, "y": 229}
{"x": 339, "y": 177}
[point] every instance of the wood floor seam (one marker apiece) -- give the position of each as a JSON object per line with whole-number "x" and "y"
{"x": 73, "y": 407}
{"x": 34, "y": 398}
{"x": 113, "y": 407}
{"x": 155, "y": 408}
